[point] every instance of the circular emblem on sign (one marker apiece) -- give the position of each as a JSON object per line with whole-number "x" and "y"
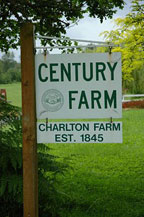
{"x": 52, "y": 100}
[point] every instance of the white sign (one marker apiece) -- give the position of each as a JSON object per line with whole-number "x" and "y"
{"x": 75, "y": 86}
{"x": 79, "y": 132}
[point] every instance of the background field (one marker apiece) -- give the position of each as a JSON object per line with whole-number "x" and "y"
{"x": 103, "y": 180}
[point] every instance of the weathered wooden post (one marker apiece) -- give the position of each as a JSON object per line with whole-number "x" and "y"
{"x": 30, "y": 171}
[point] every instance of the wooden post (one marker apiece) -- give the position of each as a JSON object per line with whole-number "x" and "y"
{"x": 30, "y": 171}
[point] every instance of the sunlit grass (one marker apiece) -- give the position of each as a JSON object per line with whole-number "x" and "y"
{"x": 105, "y": 180}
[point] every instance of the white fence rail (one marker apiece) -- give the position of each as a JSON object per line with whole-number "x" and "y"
{"x": 132, "y": 97}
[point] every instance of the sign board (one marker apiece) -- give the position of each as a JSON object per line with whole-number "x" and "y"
{"x": 75, "y": 86}
{"x": 79, "y": 132}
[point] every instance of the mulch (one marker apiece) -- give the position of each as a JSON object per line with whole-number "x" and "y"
{"x": 133, "y": 104}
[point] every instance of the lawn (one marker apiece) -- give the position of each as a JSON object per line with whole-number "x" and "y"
{"x": 105, "y": 180}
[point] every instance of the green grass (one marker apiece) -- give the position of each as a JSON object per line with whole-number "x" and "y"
{"x": 13, "y": 93}
{"x": 105, "y": 180}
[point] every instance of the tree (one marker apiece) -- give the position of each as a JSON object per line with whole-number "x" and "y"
{"x": 50, "y": 17}
{"x": 9, "y": 69}
{"x": 8, "y": 61}
{"x": 129, "y": 35}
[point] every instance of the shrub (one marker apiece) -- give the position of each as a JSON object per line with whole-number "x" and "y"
{"x": 10, "y": 161}
{"x": 11, "y": 202}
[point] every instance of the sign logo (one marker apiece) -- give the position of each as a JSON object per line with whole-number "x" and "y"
{"x": 52, "y": 100}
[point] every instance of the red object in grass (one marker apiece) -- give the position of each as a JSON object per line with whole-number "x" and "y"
{"x": 3, "y": 95}
{"x": 133, "y": 104}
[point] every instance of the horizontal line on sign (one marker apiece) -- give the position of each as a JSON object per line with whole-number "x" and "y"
{"x": 70, "y": 39}
{"x": 79, "y": 46}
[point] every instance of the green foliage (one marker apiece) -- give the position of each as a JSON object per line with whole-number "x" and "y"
{"x": 50, "y": 17}
{"x": 49, "y": 167}
{"x": 136, "y": 85}
{"x": 129, "y": 35}
{"x": 10, "y": 161}
{"x": 9, "y": 69}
